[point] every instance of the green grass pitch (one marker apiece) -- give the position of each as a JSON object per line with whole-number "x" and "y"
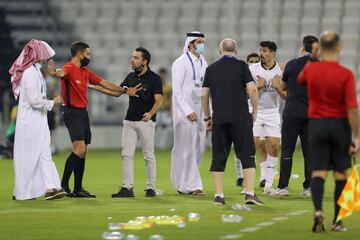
{"x": 88, "y": 218}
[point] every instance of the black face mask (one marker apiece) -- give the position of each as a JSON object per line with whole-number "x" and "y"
{"x": 139, "y": 69}
{"x": 84, "y": 62}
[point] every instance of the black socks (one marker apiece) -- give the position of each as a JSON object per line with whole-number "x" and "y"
{"x": 76, "y": 164}
{"x": 317, "y": 192}
{"x": 69, "y": 167}
{"x": 78, "y": 173}
{"x": 339, "y": 186}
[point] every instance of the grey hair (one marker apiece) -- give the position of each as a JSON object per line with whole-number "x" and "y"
{"x": 228, "y": 45}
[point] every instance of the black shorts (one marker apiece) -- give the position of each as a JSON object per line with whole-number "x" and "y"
{"x": 239, "y": 133}
{"x": 77, "y": 122}
{"x": 329, "y": 143}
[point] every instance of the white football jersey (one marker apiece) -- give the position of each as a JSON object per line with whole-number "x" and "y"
{"x": 268, "y": 97}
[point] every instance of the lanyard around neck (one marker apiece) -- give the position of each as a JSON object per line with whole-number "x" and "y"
{"x": 192, "y": 65}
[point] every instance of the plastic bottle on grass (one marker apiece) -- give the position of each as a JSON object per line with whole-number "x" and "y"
{"x": 132, "y": 237}
{"x": 159, "y": 192}
{"x": 231, "y": 218}
{"x": 193, "y": 217}
{"x": 113, "y": 236}
{"x": 156, "y": 237}
{"x": 181, "y": 224}
{"x": 240, "y": 207}
{"x": 115, "y": 226}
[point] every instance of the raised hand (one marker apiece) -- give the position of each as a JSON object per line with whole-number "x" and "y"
{"x": 276, "y": 82}
{"x": 133, "y": 90}
{"x": 261, "y": 82}
{"x": 51, "y": 67}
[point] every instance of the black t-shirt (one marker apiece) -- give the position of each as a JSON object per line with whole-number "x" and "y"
{"x": 297, "y": 98}
{"x": 151, "y": 84}
{"x": 227, "y": 79}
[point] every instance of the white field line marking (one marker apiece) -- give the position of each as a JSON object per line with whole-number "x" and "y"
{"x": 231, "y": 236}
{"x": 250, "y": 229}
{"x": 280, "y": 218}
{"x": 269, "y": 223}
{"x": 297, "y": 213}
{"x": 265, "y": 224}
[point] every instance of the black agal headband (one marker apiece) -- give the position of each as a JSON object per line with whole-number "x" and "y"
{"x": 199, "y": 35}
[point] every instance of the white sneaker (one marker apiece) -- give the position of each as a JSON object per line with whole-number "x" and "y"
{"x": 283, "y": 191}
{"x": 306, "y": 192}
{"x": 269, "y": 191}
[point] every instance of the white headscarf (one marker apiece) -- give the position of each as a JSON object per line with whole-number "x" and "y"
{"x": 189, "y": 39}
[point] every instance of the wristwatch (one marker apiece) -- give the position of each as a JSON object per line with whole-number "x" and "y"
{"x": 207, "y": 119}
{"x": 125, "y": 89}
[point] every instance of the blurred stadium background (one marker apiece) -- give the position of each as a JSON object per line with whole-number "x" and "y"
{"x": 114, "y": 28}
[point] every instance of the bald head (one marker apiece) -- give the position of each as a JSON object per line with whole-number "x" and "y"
{"x": 228, "y": 45}
{"x": 329, "y": 41}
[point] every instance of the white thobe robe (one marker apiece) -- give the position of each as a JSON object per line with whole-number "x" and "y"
{"x": 35, "y": 172}
{"x": 189, "y": 137}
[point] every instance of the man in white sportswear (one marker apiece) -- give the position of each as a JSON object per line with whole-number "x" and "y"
{"x": 267, "y": 124}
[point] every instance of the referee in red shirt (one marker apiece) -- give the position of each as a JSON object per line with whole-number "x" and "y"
{"x": 75, "y": 77}
{"x": 333, "y": 126}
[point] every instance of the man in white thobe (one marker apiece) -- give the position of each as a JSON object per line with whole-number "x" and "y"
{"x": 189, "y": 128}
{"x": 35, "y": 172}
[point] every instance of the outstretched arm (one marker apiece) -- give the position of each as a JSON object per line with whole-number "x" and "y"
{"x": 105, "y": 90}
{"x": 59, "y": 73}
{"x": 111, "y": 86}
{"x": 130, "y": 91}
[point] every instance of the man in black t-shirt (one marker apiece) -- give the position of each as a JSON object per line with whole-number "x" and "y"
{"x": 140, "y": 121}
{"x": 295, "y": 120}
{"x": 229, "y": 81}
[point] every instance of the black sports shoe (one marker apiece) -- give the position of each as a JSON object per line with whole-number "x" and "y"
{"x": 338, "y": 227}
{"x": 262, "y": 183}
{"x": 82, "y": 194}
{"x": 249, "y": 199}
{"x": 67, "y": 190}
{"x": 219, "y": 200}
{"x": 150, "y": 193}
{"x": 239, "y": 182}
{"x": 55, "y": 194}
{"x": 318, "y": 223}
{"x": 124, "y": 193}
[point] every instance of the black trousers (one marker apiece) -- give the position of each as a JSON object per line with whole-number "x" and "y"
{"x": 293, "y": 127}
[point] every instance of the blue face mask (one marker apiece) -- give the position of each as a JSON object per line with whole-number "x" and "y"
{"x": 200, "y": 48}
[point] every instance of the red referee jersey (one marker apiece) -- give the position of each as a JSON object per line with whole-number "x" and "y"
{"x": 75, "y": 83}
{"x": 331, "y": 89}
